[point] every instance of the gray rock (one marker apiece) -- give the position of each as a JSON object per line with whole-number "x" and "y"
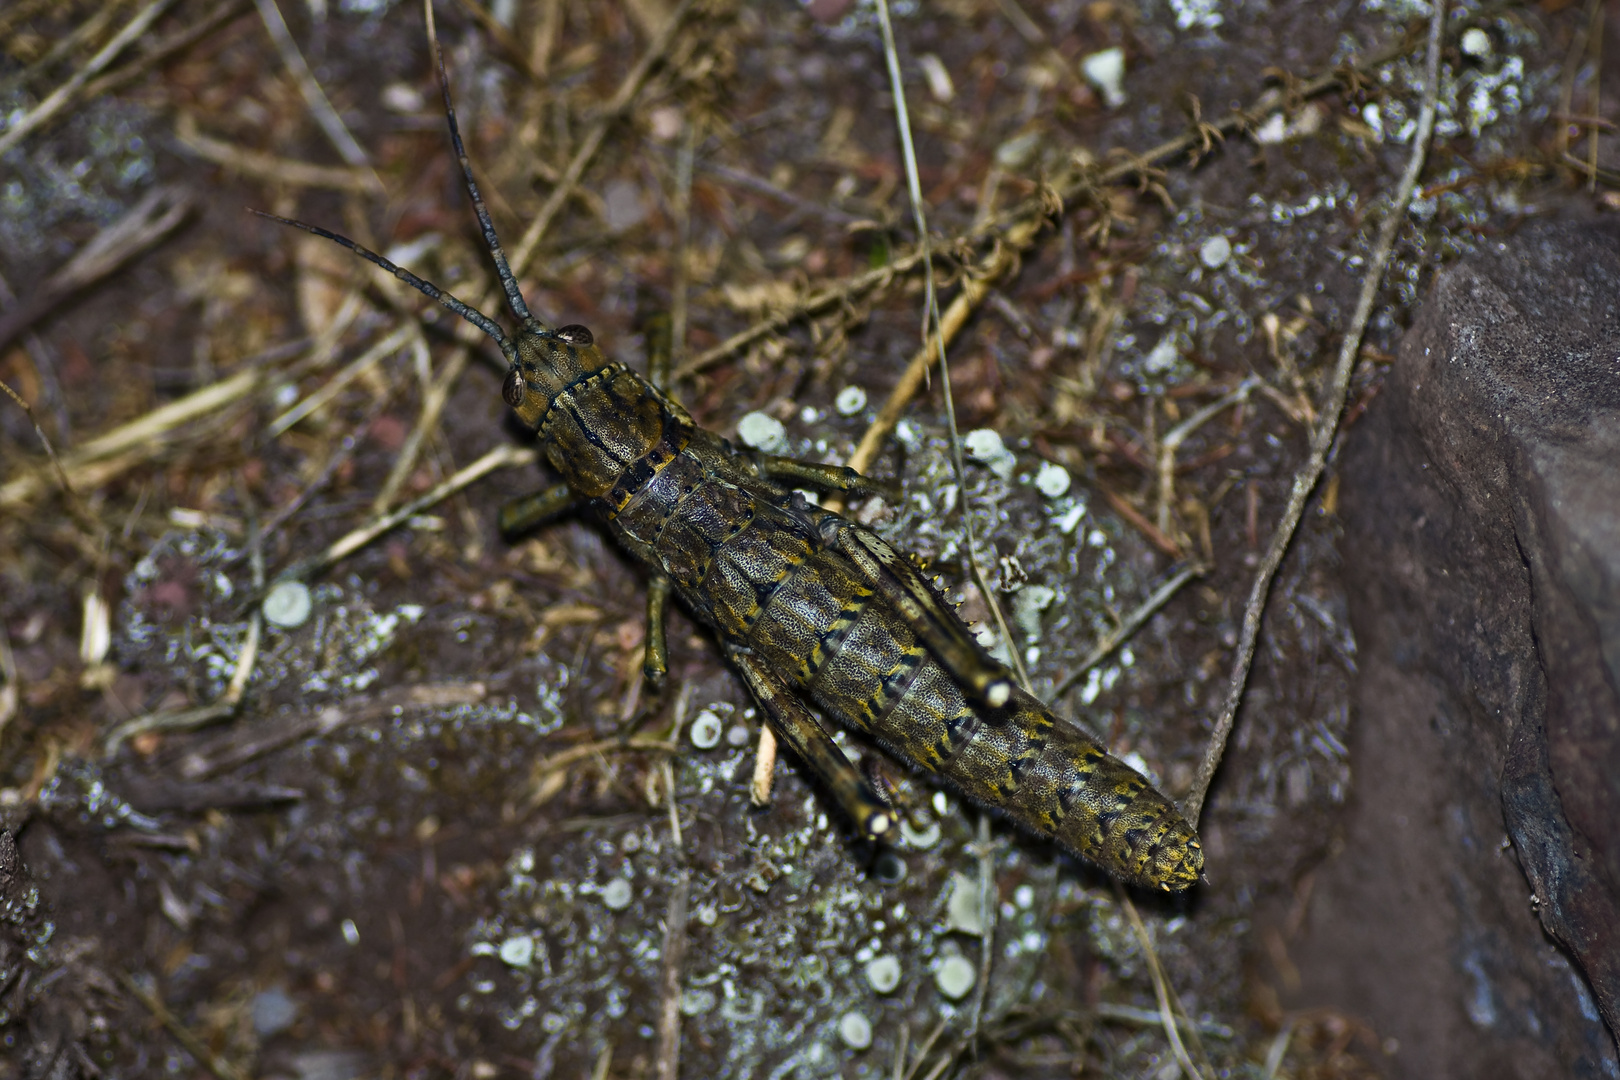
{"x": 273, "y": 1012}
{"x": 1482, "y": 509}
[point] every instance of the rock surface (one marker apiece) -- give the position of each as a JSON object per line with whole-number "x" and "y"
{"x": 1482, "y": 508}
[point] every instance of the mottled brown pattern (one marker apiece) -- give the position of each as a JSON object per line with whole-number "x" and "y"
{"x": 790, "y": 590}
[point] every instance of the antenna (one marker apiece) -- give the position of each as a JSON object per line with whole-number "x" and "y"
{"x": 465, "y": 310}
{"x": 514, "y": 295}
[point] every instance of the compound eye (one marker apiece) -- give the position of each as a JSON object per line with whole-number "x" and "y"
{"x": 512, "y": 389}
{"x": 575, "y": 335}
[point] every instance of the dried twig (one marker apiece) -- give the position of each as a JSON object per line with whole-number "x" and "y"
{"x": 158, "y": 213}
{"x": 268, "y": 167}
{"x": 1161, "y": 991}
{"x": 334, "y": 386}
{"x": 337, "y": 132}
{"x": 1322, "y": 437}
{"x": 814, "y": 303}
{"x": 1129, "y": 626}
{"x": 99, "y": 459}
{"x": 502, "y": 457}
{"x": 183, "y": 1035}
{"x": 1179, "y": 434}
{"x": 165, "y": 49}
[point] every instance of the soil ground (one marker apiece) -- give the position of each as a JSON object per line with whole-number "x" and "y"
{"x": 426, "y": 840}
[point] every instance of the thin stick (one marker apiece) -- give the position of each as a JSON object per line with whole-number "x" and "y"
{"x": 169, "y": 47}
{"x": 812, "y": 304}
{"x": 66, "y": 45}
{"x": 158, "y": 213}
{"x": 1132, "y": 623}
{"x": 334, "y": 386}
{"x": 683, "y": 701}
{"x": 183, "y": 1035}
{"x": 62, "y": 96}
{"x": 1306, "y": 478}
{"x": 434, "y": 399}
{"x": 975, "y": 287}
{"x": 683, "y": 245}
{"x": 337, "y": 132}
{"x": 502, "y": 457}
{"x": 620, "y": 104}
{"x": 1016, "y": 228}
{"x": 259, "y": 165}
{"x": 674, "y": 956}
{"x": 1179, "y": 434}
{"x": 145, "y": 432}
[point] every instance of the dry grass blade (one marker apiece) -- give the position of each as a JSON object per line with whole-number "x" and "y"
{"x": 620, "y": 104}
{"x": 668, "y": 1065}
{"x": 1179, "y": 434}
{"x": 165, "y": 49}
{"x": 268, "y": 167}
{"x": 139, "y": 440}
{"x": 1161, "y": 987}
{"x": 502, "y": 457}
{"x": 1322, "y": 437}
{"x": 334, "y": 386}
{"x": 64, "y": 95}
{"x": 183, "y": 1035}
{"x": 434, "y": 399}
{"x": 337, "y": 132}
{"x": 88, "y": 31}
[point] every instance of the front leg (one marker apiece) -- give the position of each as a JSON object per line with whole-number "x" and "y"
{"x": 791, "y": 472}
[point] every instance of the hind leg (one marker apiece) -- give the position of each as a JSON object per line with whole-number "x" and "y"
{"x": 799, "y": 729}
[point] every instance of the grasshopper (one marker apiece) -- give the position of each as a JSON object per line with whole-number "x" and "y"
{"x": 809, "y": 608}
